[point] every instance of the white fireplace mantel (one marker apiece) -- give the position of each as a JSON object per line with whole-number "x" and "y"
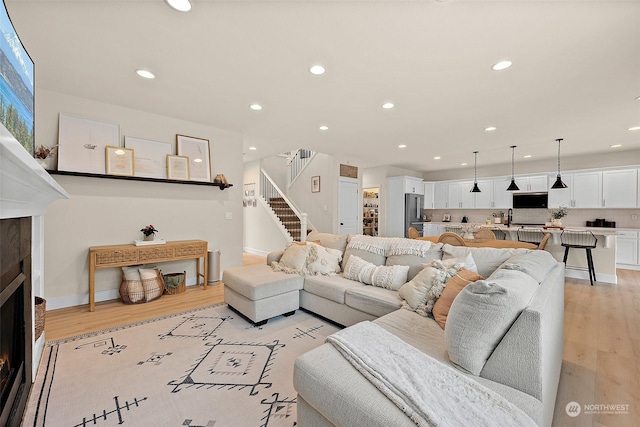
{"x": 26, "y": 189}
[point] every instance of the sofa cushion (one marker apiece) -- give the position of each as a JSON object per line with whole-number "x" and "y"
{"x": 332, "y": 288}
{"x": 328, "y": 240}
{"x": 373, "y": 300}
{"x": 452, "y": 288}
{"x": 323, "y": 260}
{"x": 388, "y": 277}
{"x": 536, "y": 264}
{"x": 482, "y": 313}
{"x": 371, "y": 257}
{"x": 415, "y": 262}
{"x": 487, "y": 259}
{"x": 259, "y": 281}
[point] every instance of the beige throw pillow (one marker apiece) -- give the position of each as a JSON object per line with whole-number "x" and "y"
{"x": 152, "y": 283}
{"x": 323, "y": 261}
{"x": 388, "y": 277}
{"x": 293, "y": 259}
{"x": 133, "y": 284}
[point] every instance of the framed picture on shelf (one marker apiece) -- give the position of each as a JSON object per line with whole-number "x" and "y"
{"x": 82, "y": 143}
{"x": 178, "y": 167}
{"x": 315, "y": 184}
{"x": 119, "y": 161}
{"x": 197, "y": 150}
{"x": 150, "y": 157}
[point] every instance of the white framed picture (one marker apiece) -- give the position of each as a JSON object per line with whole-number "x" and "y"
{"x": 178, "y": 167}
{"x": 82, "y": 143}
{"x": 197, "y": 150}
{"x": 150, "y": 156}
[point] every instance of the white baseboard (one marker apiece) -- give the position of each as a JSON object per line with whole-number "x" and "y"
{"x": 108, "y": 295}
{"x": 576, "y": 273}
{"x": 38, "y": 349}
{"x": 628, "y": 267}
{"x": 255, "y": 251}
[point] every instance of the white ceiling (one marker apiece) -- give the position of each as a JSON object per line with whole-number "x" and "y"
{"x": 575, "y": 73}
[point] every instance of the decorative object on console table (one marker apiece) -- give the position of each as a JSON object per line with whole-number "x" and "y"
{"x": 82, "y": 143}
{"x": 149, "y": 232}
{"x": 197, "y": 150}
{"x": 119, "y": 161}
{"x": 315, "y": 184}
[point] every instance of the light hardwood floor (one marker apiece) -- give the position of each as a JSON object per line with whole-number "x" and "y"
{"x": 601, "y": 354}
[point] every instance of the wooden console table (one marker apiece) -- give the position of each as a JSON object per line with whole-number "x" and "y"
{"x": 127, "y": 255}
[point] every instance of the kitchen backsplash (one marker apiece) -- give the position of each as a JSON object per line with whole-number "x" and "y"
{"x": 575, "y": 218}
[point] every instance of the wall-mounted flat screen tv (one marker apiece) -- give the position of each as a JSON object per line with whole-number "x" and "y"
{"x": 16, "y": 85}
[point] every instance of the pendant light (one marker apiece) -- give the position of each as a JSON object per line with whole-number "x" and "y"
{"x": 513, "y": 186}
{"x": 475, "y": 188}
{"x": 559, "y": 183}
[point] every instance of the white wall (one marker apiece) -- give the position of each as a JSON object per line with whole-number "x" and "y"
{"x": 107, "y": 212}
{"x": 276, "y": 167}
{"x": 320, "y": 207}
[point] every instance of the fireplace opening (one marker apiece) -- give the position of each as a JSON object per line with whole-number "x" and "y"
{"x": 11, "y": 346}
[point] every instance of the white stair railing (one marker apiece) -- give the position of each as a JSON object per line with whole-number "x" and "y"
{"x": 269, "y": 190}
{"x": 298, "y": 162}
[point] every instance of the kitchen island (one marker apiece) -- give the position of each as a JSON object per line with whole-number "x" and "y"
{"x": 604, "y": 254}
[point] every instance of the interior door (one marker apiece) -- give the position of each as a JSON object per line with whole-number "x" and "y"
{"x": 348, "y": 206}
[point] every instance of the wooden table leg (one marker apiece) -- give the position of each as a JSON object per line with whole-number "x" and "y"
{"x": 92, "y": 283}
{"x": 206, "y": 269}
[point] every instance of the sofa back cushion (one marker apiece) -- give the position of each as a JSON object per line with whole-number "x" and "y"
{"x": 482, "y": 314}
{"x": 415, "y": 262}
{"x": 536, "y": 264}
{"x": 328, "y": 240}
{"x": 487, "y": 259}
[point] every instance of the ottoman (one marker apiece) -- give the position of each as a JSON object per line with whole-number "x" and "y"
{"x": 259, "y": 293}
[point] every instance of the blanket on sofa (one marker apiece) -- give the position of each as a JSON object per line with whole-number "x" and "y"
{"x": 429, "y": 392}
{"x": 388, "y": 246}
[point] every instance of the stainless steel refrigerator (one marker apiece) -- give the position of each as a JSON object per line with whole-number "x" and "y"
{"x": 413, "y": 205}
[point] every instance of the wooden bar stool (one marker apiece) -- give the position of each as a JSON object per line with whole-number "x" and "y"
{"x": 581, "y": 240}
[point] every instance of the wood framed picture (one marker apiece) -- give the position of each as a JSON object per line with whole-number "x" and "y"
{"x": 82, "y": 143}
{"x": 178, "y": 167}
{"x": 150, "y": 157}
{"x": 119, "y": 161}
{"x": 315, "y": 184}
{"x": 197, "y": 150}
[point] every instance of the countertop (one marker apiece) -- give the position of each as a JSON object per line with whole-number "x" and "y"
{"x": 601, "y": 231}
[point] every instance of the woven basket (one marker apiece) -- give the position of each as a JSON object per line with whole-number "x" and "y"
{"x": 40, "y": 309}
{"x": 174, "y": 283}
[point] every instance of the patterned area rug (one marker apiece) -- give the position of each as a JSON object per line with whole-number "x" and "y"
{"x": 205, "y": 367}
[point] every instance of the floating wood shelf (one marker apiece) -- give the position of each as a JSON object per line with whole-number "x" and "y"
{"x": 139, "y": 178}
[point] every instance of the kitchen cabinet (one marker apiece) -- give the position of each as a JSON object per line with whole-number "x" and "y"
{"x": 532, "y": 184}
{"x": 586, "y": 189}
{"x": 484, "y": 199}
{"x": 561, "y": 196}
{"x": 432, "y": 229}
{"x": 429, "y": 195}
{"x": 628, "y": 247}
{"x": 441, "y": 195}
{"x": 620, "y": 188}
{"x": 460, "y": 195}
{"x": 502, "y": 199}
{"x": 413, "y": 185}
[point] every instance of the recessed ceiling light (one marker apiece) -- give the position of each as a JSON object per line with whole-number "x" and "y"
{"x": 616, "y": 146}
{"x": 635, "y": 128}
{"x": 180, "y": 5}
{"x": 637, "y": 98}
{"x": 252, "y": 148}
{"x": 388, "y": 105}
{"x": 490, "y": 128}
{"x": 255, "y": 107}
{"x": 502, "y": 65}
{"x": 317, "y": 70}
{"x": 323, "y": 127}
{"x": 527, "y": 156}
{"x": 145, "y": 74}
{"x": 402, "y": 146}
{"x": 436, "y": 158}
{"x": 463, "y": 164}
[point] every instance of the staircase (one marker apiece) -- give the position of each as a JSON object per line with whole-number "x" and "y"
{"x": 286, "y": 215}
{"x": 298, "y": 161}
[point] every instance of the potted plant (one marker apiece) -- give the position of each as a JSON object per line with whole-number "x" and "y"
{"x": 149, "y": 232}
{"x": 558, "y": 214}
{"x": 45, "y": 155}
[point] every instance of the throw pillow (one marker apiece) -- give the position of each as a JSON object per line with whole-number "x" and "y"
{"x": 421, "y": 293}
{"x": 465, "y": 262}
{"x": 328, "y": 240}
{"x": 388, "y": 277}
{"x": 152, "y": 283}
{"x": 132, "y": 285}
{"x": 321, "y": 260}
{"x": 293, "y": 259}
{"x": 452, "y": 288}
{"x": 482, "y": 314}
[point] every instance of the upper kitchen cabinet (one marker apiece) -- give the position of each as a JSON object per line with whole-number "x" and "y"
{"x": 532, "y": 184}
{"x": 587, "y": 189}
{"x": 561, "y": 196}
{"x": 413, "y": 185}
{"x": 460, "y": 195}
{"x": 620, "y": 188}
{"x": 485, "y": 198}
{"x": 440, "y": 195}
{"x": 429, "y": 193}
{"x": 502, "y": 199}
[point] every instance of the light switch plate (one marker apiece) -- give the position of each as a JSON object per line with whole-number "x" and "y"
{"x": 228, "y": 215}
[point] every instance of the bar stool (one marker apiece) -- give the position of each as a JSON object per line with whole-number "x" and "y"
{"x": 500, "y": 235}
{"x": 453, "y": 229}
{"x": 531, "y": 235}
{"x": 581, "y": 240}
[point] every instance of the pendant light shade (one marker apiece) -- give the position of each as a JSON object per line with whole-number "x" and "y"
{"x": 559, "y": 184}
{"x": 475, "y": 188}
{"x": 513, "y": 186}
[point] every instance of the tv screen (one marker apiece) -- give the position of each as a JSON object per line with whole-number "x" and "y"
{"x": 16, "y": 85}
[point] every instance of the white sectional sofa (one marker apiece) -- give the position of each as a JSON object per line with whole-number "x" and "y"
{"x": 516, "y": 354}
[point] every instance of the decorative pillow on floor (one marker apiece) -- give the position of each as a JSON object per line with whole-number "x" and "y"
{"x": 421, "y": 293}
{"x": 152, "y": 283}
{"x": 293, "y": 260}
{"x": 388, "y": 277}
{"x": 131, "y": 290}
{"x": 452, "y": 288}
{"x": 324, "y": 261}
